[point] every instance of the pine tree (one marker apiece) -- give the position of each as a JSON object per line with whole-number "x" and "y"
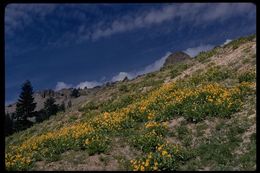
{"x": 50, "y": 107}
{"x": 40, "y": 116}
{"x": 25, "y": 106}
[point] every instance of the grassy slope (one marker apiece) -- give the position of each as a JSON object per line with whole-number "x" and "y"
{"x": 213, "y": 143}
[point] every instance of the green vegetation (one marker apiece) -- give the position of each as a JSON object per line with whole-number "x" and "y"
{"x": 89, "y": 107}
{"x": 217, "y": 74}
{"x": 247, "y": 77}
{"x": 236, "y": 43}
{"x": 178, "y": 69}
{"x": 146, "y": 142}
{"x": 123, "y": 88}
{"x": 25, "y": 107}
{"x": 203, "y": 56}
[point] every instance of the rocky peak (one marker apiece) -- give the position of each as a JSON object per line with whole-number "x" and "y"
{"x": 125, "y": 79}
{"x": 46, "y": 93}
{"x": 175, "y": 58}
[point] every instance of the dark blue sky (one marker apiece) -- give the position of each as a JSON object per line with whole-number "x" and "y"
{"x": 78, "y": 45}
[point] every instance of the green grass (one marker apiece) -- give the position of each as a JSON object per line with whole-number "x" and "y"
{"x": 123, "y": 88}
{"x": 178, "y": 68}
{"x": 217, "y": 150}
{"x": 247, "y": 77}
{"x": 200, "y": 129}
{"x": 203, "y": 56}
{"x": 146, "y": 141}
{"x": 237, "y": 42}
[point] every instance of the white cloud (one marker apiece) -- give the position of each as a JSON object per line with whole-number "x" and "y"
{"x": 62, "y": 85}
{"x": 88, "y": 84}
{"x": 127, "y": 23}
{"x": 198, "y": 13}
{"x": 226, "y": 42}
{"x": 196, "y": 50}
{"x": 81, "y": 85}
{"x": 147, "y": 69}
{"x": 21, "y": 15}
{"x": 154, "y": 66}
{"x": 120, "y": 76}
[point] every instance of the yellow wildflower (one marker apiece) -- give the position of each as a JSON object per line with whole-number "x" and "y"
{"x": 164, "y": 152}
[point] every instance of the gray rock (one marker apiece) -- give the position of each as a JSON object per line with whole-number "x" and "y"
{"x": 175, "y": 58}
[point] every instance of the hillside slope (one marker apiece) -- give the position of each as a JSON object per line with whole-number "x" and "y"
{"x": 199, "y": 114}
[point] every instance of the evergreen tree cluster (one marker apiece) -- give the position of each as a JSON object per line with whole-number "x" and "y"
{"x": 25, "y": 109}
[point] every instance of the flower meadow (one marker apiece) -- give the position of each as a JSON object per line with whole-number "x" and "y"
{"x": 151, "y": 111}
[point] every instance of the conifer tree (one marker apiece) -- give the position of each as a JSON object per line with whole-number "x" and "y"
{"x": 25, "y": 106}
{"x": 50, "y": 107}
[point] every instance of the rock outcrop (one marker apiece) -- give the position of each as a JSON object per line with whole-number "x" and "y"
{"x": 175, "y": 58}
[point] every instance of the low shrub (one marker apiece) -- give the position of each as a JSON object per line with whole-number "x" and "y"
{"x": 123, "y": 88}
{"x": 236, "y": 43}
{"x": 166, "y": 157}
{"x": 89, "y": 107}
{"x": 146, "y": 142}
{"x": 97, "y": 144}
{"x": 160, "y": 129}
{"x": 217, "y": 74}
{"x": 202, "y": 56}
{"x": 247, "y": 77}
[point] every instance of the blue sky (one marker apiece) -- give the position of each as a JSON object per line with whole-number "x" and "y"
{"x": 76, "y": 45}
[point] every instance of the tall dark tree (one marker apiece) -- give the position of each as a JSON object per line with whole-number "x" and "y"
{"x": 41, "y": 116}
{"x": 50, "y": 107}
{"x": 25, "y": 106}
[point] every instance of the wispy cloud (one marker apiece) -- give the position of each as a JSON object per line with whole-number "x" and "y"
{"x": 62, "y": 85}
{"x": 121, "y": 75}
{"x": 226, "y": 42}
{"x": 196, "y": 50}
{"x": 147, "y": 69}
{"x": 201, "y": 13}
{"x": 19, "y": 16}
{"x": 88, "y": 84}
{"x": 81, "y": 85}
